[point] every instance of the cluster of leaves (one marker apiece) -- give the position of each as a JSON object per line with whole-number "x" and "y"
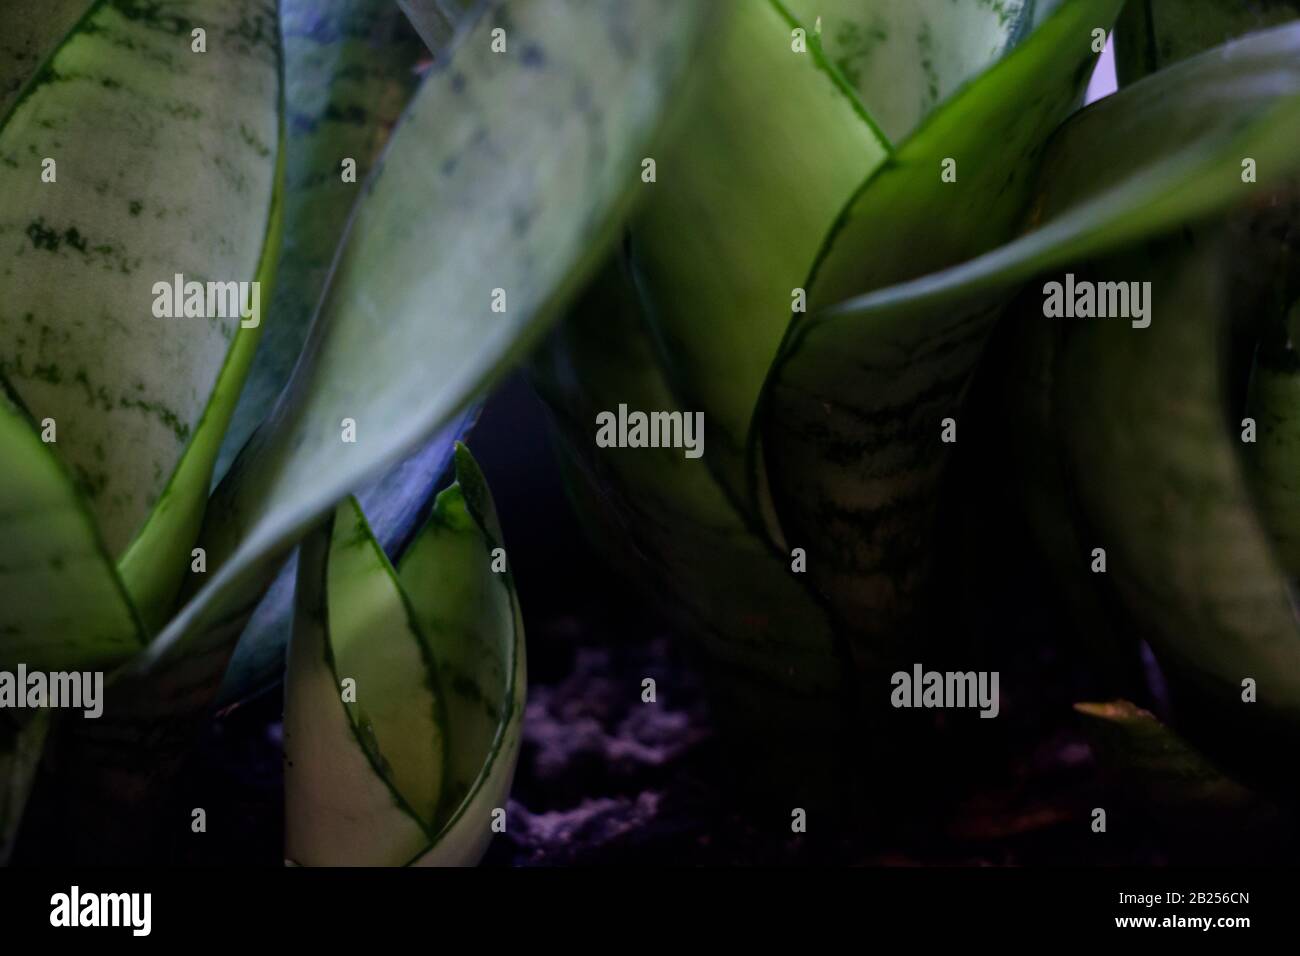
{"x": 189, "y": 460}
{"x": 822, "y": 174}
{"x": 900, "y": 170}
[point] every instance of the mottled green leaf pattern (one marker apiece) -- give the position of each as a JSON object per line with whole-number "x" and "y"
{"x": 741, "y": 203}
{"x": 145, "y": 133}
{"x": 854, "y": 409}
{"x": 904, "y": 57}
{"x": 412, "y": 771}
{"x": 349, "y": 71}
{"x": 525, "y": 146}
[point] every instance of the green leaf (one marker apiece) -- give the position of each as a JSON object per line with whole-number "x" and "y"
{"x": 62, "y": 605}
{"x": 772, "y": 644}
{"x": 365, "y": 762}
{"x": 349, "y": 70}
{"x": 525, "y": 146}
{"x": 166, "y": 164}
{"x": 1141, "y": 413}
{"x": 851, "y": 423}
{"x": 469, "y": 617}
{"x": 993, "y": 131}
{"x": 771, "y": 146}
{"x": 905, "y": 57}
{"x": 414, "y": 769}
{"x": 395, "y": 504}
{"x": 1154, "y": 34}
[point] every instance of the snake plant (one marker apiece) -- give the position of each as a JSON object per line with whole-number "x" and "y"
{"x": 860, "y": 195}
{"x": 392, "y": 205}
{"x": 814, "y": 223}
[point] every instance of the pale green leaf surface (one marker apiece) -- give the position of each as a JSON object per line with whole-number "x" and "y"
{"x": 344, "y": 800}
{"x": 349, "y": 70}
{"x": 451, "y": 622}
{"x": 166, "y": 162}
{"x": 904, "y": 57}
{"x": 769, "y": 148}
{"x": 994, "y": 131}
{"x": 470, "y": 619}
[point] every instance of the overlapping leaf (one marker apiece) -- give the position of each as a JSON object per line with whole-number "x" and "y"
{"x": 773, "y": 143}
{"x": 521, "y": 169}
{"x": 852, "y": 423}
{"x": 1141, "y": 414}
{"x": 436, "y": 20}
{"x": 405, "y": 694}
{"x": 1154, "y": 34}
{"x": 110, "y": 133}
{"x": 728, "y": 587}
{"x": 350, "y": 69}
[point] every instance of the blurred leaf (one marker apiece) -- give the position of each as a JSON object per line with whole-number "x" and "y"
{"x": 81, "y": 345}
{"x": 992, "y": 131}
{"x": 349, "y": 70}
{"x": 1154, "y": 34}
{"x": 436, "y": 20}
{"x": 1273, "y": 459}
{"x": 21, "y": 743}
{"x": 1162, "y": 771}
{"x": 1141, "y": 414}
